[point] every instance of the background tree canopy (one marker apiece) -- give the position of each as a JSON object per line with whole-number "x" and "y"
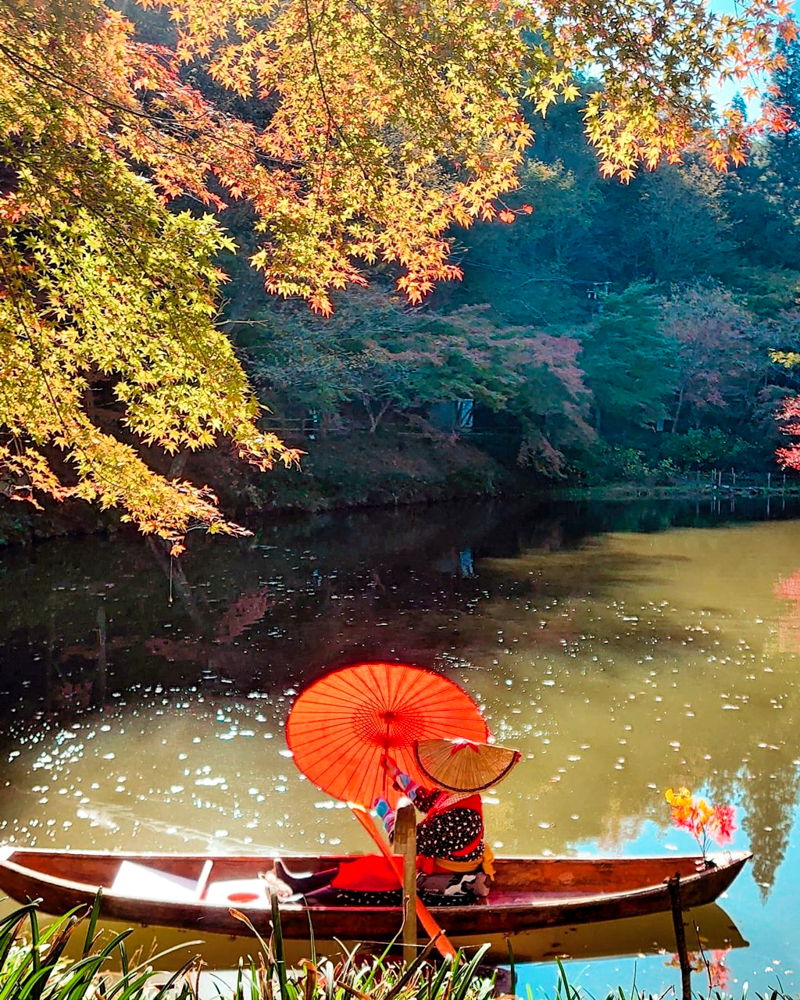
{"x": 355, "y": 136}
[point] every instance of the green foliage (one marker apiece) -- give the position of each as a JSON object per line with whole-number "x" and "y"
{"x": 723, "y": 357}
{"x": 677, "y": 228}
{"x": 108, "y": 301}
{"x": 631, "y": 366}
{"x": 33, "y": 966}
{"x": 624, "y": 463}
{"x": 783, "y": 147}
{"x": 763, "y": 227}
{"x": 526, "y": 270}
{"x": 704, "y": 448}
{"x": 609, "y": 463}
{"x": 763, "y": 194}
{"x": 770, "y": 293}
{"x": 377, "y": 359}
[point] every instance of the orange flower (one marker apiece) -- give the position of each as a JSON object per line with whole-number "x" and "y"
{"x": 705, "y": 822}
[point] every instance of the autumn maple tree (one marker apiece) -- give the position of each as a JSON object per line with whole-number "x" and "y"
{"x": 381, "y": 123}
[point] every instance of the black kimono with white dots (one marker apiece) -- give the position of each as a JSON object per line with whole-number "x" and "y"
{"x": 451, "y": 834}
{"x": 447, "y": 834}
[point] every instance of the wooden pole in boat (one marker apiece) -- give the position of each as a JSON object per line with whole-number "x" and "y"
{"x": 443, "y": 946}
{"x": 405, "y": 843}
{"x": 674, "y": 886}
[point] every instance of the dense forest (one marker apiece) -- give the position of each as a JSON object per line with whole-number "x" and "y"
{"x": 618, "y": 331}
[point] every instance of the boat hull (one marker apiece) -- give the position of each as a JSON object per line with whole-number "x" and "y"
{"x": 528, "y": 893}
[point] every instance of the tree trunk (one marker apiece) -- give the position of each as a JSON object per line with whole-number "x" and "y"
{"x": 368, "y": 407}
{"x": 678, "y": 409}
{"x": 178, "y": 464}
{"x": 375, "y": 418}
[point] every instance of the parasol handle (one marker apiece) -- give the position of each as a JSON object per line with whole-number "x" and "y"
{"x": 443, "y": 945}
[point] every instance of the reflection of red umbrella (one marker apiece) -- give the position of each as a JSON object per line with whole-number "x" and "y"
{"x": 341, "y": 726}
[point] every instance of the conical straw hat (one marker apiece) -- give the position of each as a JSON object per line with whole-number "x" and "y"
{"x": 464, "y": 766}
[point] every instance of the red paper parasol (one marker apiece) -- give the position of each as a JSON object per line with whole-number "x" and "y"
{"x": 340, "y": 726}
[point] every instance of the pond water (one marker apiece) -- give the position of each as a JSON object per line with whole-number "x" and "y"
{"x": 623, "y": 648}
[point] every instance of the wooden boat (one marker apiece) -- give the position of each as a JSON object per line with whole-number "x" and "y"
{"x": 198, "y": 892}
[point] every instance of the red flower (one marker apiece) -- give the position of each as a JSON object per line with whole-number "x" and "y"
{"x": 703, "y": 821}
{"x": 720, "y": 825}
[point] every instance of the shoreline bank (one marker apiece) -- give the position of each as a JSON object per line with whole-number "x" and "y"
{"x": 391, "y": 470}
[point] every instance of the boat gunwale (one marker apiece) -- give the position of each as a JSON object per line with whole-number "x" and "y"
{"x": 731, "y": 859}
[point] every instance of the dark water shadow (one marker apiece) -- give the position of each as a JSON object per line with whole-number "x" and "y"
{"x": 84, "y": 621}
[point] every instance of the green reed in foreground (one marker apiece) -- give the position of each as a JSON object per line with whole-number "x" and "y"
{"x": 33, "y": 966}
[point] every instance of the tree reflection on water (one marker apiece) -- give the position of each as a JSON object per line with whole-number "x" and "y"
{"x": 622, "y": 657}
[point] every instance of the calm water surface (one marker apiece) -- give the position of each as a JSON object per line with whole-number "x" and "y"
{"x": 625, "y": 649}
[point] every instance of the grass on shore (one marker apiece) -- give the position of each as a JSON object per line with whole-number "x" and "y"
{"x": 33, "y": 966}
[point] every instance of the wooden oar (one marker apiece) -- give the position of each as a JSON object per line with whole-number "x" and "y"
{"x": 443, "y": 945}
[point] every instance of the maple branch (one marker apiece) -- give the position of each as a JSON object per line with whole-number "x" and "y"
{"x": 73, "y": 192}
{"x": 37, "y": 358}
{"x": 26, "y": 64}
{"x": 40, "y": 74}
{"x": 434, "y": 104}
{"x": 74, "y": 444}
{"x": 325, "y": 101}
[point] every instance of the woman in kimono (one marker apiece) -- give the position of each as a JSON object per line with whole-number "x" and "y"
{"x": 454, "y": 862}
